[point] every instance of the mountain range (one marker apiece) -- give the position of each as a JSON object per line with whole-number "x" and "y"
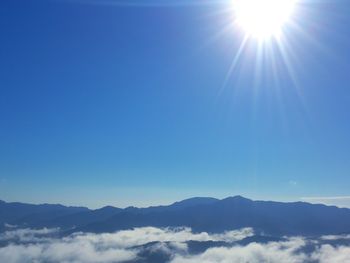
{"x": 201, "y": 214}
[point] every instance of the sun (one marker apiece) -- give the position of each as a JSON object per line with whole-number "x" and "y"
{"x": 263, "y": 19}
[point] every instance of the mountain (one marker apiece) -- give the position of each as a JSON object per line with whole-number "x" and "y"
{"x": 194, "y": 202}
{"x": 20, "y": 213}
{"x": 201, "y": 214}
{"x": 81, "y": 218}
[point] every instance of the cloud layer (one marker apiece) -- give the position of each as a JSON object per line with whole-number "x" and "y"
{"x": 273, "y": 252}
{"x": 174, "y": 245}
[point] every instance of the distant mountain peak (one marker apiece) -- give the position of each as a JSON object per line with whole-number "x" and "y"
{"x": 195, "y": 201}
{"x": 237, "y": 198}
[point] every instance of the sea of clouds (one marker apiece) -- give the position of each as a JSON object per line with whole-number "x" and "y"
{"x": 46, "y": 245}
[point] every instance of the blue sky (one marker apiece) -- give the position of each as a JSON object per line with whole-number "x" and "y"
{"x": 126, "y": 103}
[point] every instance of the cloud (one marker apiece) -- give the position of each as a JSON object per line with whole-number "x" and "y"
{"x": 273, "y": 252}
{"x": 335, "y": 237}
{"x": 144, "y": 235}
{"x": 328, "y": 253}
{"x": 27, "y": 234}
{"x": 9, "y": 225}
{"x": 62, "y": 252}
{"x": 44, "y": 245}
{"x": 39, "y": 245}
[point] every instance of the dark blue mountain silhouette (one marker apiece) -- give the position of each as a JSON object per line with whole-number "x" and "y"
{"x": 81, "y": 218}
{"x": 20, "y": 213}
{"x": 201, "y": 214}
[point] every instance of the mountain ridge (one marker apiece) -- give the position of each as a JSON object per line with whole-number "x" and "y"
{"x": 199, "y": 213}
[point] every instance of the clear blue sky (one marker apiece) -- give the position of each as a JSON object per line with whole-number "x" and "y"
{"x": 110, "y": 103}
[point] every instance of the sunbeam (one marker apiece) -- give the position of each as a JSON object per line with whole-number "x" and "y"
{"x": 263, "y": 18}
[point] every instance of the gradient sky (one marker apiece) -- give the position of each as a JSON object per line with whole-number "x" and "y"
{"x": 126, "y": 103}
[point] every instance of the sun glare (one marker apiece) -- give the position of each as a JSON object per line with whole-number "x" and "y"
{"x": 263, "y": 18}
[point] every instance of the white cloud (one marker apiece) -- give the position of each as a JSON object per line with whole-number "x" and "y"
{"x": 62, "y": 252}
{"x": 27, "y": 234}
{"x": 143, "y": 235}
{"x": 335, "y": 237}
{"x": 273, "y": 252}
{"x": 41, "y": 245}
{"x": 328, "y": 253}
{"x": 38, "y": 245}
{"x": 9, "y": 225}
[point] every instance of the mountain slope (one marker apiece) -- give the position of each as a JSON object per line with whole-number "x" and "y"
{"x": 236, "y": 212}
{"x": 201, "y": 214}
{"x": 82, "y": 218}
{"x": 20, "y": 213}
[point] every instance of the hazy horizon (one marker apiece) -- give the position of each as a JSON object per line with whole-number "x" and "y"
{"x": 341, "y": 202}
